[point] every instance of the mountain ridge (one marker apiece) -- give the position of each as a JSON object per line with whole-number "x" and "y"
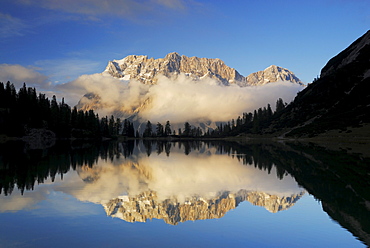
{"x": 145, "y": 70}
{"x": 145, "y": 206}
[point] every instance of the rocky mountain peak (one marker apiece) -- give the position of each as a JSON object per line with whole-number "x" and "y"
{"x": 271, "y": 74}
{"x": 173, "y": 56}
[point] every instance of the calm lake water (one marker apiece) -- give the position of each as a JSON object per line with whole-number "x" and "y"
{"x": 183, "y": 194}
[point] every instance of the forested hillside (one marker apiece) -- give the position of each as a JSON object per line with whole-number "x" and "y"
{"x": 338, "y": 99}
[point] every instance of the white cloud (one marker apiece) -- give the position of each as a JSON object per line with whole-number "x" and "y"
{"x": 65, "y": 70}
{"x": 11, "y": 26}
{"x": 181, "y": 99}
{"x": 47, "y": 74}
{"x": 18, "y": 75}
{"x": 122, "y": 8}
{"x": 115, "y": 94}
{"x": 173, "y": 4}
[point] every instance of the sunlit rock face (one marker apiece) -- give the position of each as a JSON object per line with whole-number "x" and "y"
{"x": 272, "y": 74}
{"x": 146, "y": 69}
{"x": 146, "y": 206}
{"x": 179, "y": 187}
{"x": 272, "y": 203}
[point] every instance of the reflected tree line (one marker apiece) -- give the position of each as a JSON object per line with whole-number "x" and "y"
{"x": 338, "y": 179}
{"x": 35, "y": 166}
{"x": 30, "y": 167}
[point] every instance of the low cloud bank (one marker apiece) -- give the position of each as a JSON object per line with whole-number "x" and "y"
{"x": 186, "y": 100}
{"x": 114, "y": 94}
{"x": 181, "y": 99}
{"x": 177, "y": 99}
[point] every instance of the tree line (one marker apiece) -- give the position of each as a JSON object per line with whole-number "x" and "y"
{"x": 165, "y": 131}
{"x": 25, "y": 110}
{"x": 257, "y": 122}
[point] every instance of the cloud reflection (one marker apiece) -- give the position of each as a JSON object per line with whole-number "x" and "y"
{"x": 204, "y": 184}
{"x": 147, "y": 187}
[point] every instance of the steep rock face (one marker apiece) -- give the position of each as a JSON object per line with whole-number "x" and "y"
{"x": 338, "y": 99}
{"x": 147, "y": 69}
{"x": 146, "y": 206}
{"x": 356, "y": 52}
{"x": 272, "y": 74}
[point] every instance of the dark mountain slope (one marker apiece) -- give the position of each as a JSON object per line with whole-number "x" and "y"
{"x": 339, "y": 99}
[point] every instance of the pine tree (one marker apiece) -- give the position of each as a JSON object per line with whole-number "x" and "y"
{"x": 256, "y": 122}
{"x": 159, "y": 130}
{"x": 131, "y": 132}
{"x": 111, "y": 123}
{"x": 117, "y": 126}
{"x": 279, "y": 105}
{"x": 167, "y": 129}
{"x": 148, "y": 130}
{"x": 2, "y": 95}
{"x": 269, "y": 111}
{"x": 104, "y": 126}
{"x": 187, "y": 129}
{"x": 125, "y": 130}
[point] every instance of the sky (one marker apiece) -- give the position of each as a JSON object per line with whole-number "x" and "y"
{"x": 47, "y": 43}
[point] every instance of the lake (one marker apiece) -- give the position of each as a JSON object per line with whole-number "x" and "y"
{"x": 183, "y": 194}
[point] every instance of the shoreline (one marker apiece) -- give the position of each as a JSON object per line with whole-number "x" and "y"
{"x": 352, "y": 139}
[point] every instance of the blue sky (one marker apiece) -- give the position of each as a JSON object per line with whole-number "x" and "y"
{"x": 50, "y": 42}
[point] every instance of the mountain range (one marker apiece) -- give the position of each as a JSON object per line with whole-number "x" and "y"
{"x": 147, "y": 71}
{"x": 135, "y": 195}
{"x": 146, "y": 206}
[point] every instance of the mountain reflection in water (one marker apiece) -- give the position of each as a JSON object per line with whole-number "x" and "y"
{"x": 180, "y": 181}
{"x": 179, "y": 186}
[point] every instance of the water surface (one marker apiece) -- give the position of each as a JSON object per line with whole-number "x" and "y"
{"x": 183, "y": 194}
